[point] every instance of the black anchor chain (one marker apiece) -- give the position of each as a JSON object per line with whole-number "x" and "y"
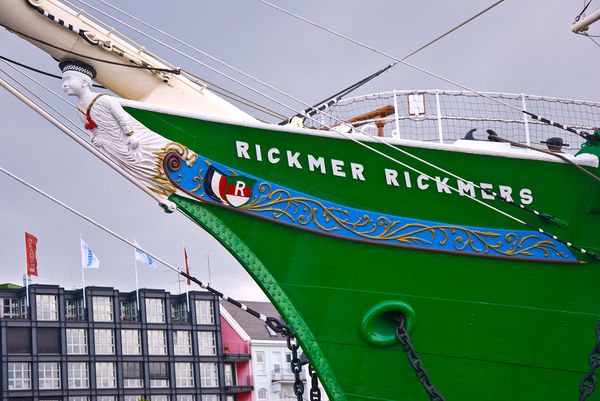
{"x": 588, "y": 383}
{"x": 414, "y": 360}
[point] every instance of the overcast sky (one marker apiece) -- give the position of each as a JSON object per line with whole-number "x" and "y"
{"x": 518, "y": 47}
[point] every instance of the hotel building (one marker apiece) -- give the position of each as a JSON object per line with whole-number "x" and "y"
{"x": 106, "y": 345}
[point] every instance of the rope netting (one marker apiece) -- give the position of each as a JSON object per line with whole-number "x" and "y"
{"x": 445, "y": 116}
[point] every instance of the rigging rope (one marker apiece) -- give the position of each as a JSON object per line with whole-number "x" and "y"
{"x": 544, "y": 216}
{"x": 585, "y": 136}
{"x": 275, "y": 324}
{"x": 578, "y": 17}
{"x": 492, "y": 136}
{"x": 65, "y": 118}
{"x": 402, "y": 61}
{"x": 326, "y": 102}
{"x": 410, "y": 155}
{"x": 272, "y": 322}
{"x": 353, "y": 139}
{"x": 568, "y": 244}
{"x": 40, "y": 71}
{"x": 341, "y": 93}
{"x": 217, "y": 89}
{"x": 187, "y": 55}
{"x": 141, "y": 67}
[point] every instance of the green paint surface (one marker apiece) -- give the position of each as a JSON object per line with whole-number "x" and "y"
{"x": 486, "y": 329}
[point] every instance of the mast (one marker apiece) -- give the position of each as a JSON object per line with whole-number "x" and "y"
{"x": 127, "y": 69}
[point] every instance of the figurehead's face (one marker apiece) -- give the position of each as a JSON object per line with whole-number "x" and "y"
{"x": 75, "y": 83}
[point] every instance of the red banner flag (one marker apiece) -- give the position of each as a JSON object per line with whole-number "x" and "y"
{"x": 30, "y": 253}
{"x": 187, "y": 268}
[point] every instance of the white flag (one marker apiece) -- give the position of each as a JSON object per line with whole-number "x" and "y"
{"x": 88, "y": 259}
{"x": 142, "y": 256}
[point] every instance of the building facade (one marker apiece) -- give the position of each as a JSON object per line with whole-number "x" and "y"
{"x": 106, "y": 345}
{"x": 272, "y": 374}
{"x": 236, "y": 358}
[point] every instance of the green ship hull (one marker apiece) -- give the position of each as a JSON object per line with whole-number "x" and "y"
{"x": 486, "y": 326}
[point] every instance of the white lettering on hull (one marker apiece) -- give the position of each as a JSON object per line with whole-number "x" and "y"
{"x": 356, "y": 171}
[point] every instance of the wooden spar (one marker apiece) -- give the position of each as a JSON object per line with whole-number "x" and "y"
{"x": 379, "y": 113}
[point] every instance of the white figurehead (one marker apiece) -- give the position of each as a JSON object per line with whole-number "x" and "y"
{"x": 125, "y": 140}
{"x": 77, "y": 81}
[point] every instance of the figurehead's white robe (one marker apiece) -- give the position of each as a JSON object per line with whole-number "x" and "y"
{"x": 114, "y": 133}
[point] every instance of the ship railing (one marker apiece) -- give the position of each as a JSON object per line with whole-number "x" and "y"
{"x": 445, "y": 116}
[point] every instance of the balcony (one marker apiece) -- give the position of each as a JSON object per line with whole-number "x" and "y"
{"x": 236, "y": 352}
{"x": 242, "y": 384}
{"x": 278, "y": 375}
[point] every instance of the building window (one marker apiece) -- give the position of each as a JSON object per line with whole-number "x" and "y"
{"x": 229, "y": 369}
{"x": 133, "y": 397}
{"x": 129, "y": 311}
{"x": 204, "y": 312}
{"x": 79, "y": 398}
{"x": 210, "y": 397}
{"x": 207, "y": 343}
{"x": 74, "y": 309}
{"x": 159, "y": 398}
{"x": 106, "y": 398}
{"x": 260, "y": 361}
{"x": 133, "y": 376}
{"x": 262, "y": 394}
{"x": 276, "y": 357}
{"x": 102, "y": 308}
{"x": 184, "y": 374}
{"x": 185, "y": 397}
{"x": 48, "y": 340}
{"x": 209, "y": 376}
{"x": 46, "y": 307}
{"x": 18, "y": 340}
{"x": 19, "y": 376}
{"x": 179, "y": 312}
{"x": 14, "y": 308}
{"x": 77, "y": 341}
{"x": 155, "y": 310}
{"x": 78, "y": 375}
{"x": 105, "y": 375}
{"x": 182, "y": 343}
{"x": 104, "y": 342}
{"x": 131, "y": 342}
{"x": 157, "y": 342}
{"x": 49, "y": 375}
{"x": 159, "y": 375}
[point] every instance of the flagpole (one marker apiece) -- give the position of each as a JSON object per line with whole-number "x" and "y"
{"x": 208, "y": 263}
{"x": 27, "y": 289}
{"x": 187, "y": 296}
{"x": 26, "y": 274}
{"x": 179, "y": 281}
{"x": 82, "y": 277}
{"x": 137, "y": 286}
{"x": 187, "y": 290}
{"x": 83, "y": 289}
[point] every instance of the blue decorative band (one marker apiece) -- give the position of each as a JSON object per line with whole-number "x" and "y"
{"x": 211, "y": 182}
